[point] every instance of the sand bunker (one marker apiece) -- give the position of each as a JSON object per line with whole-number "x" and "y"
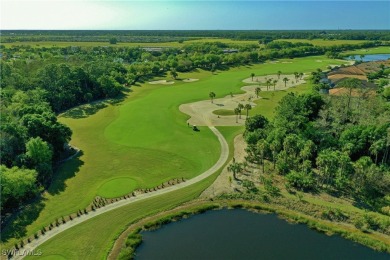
{"x": 279, "y": 84}
{"x": 161, "y": 82}
{"x": 190, "y": 80}
{"x": 201, "y": 112}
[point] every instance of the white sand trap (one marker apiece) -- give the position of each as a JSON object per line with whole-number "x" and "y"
{"x": 161, "y": 82}
{"x": 286, "y": 61}
{"x": 201, "y": 112}
{"x": 279, "y": 85}
{"x": 318, "y": 60}
{"x": 190, "y": 80}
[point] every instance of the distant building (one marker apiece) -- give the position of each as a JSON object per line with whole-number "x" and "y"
{"x": 153, "y": 49}
{"x": 230, "y": 51}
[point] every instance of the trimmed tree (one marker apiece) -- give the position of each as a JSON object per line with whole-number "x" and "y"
{"x": 236, "y": 111}
{"x": 274, "y": 83}
{"x": 240, "y": 107}
{"x": 285, "y": 81}
{"x": 257, "y": 91}
{"x": 212, "y": 96}
{"x": 248, "y": 107}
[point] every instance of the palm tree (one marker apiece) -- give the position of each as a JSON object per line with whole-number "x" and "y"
{"x": 240, "y": 107}
{"x": 274, "y": 83}
{"x": 248, "y": 107}
{"x": 235, "y": 168}
{"x": 296, "y": 75}
{"x": 212, "y": 96}
{"x": 274, "y": 147}
{"x": 252, "y": 75}
{"x": 262, "y": 146}
{"x": 376, "y": 147}
{"x": 362, "y": 57}
{"x": 237, "y": 111}
{"x": 279, "y": 73}
{"x": 300, "y": 75}
{"x": 268, "y": 82}
{"x": 257, "y": 90}
{"x": 285, "y": 81}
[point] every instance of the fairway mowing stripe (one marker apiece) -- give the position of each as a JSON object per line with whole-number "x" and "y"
{"x": 55, "y": 231}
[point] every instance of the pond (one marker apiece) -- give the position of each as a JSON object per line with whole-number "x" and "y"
{"x": 371, "y": 57}
{"x": 241, "y": 234}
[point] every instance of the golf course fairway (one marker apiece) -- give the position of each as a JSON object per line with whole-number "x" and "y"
{"x": 143, "y": 140}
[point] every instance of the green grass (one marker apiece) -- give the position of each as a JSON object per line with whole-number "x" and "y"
{"x": 322, "y": 42}
{"x": 116, "y": 187}
{"x": 224, "y": 112}
{"x": 93, "y": 239}
{"x": 144, "y": 138}
{"x": 50, "y": 44}
{"x": 270, "y": 99}
{"x": 176, "y": 44}
{"x": 377, "y": 50}
{"x": 81, "y": 241}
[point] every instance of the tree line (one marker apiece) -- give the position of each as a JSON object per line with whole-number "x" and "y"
{"x": 338, "y": 144}
{"x": 38, "y": 83}
{"x": 176, "y": 35}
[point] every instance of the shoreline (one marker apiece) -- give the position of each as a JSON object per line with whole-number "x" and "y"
{"x": 371, "y": 240}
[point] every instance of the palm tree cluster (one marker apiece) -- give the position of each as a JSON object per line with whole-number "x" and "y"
{"x": 239, "y": 108}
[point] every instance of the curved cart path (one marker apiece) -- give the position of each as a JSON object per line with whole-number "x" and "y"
{"x": 57, "y": 230}
{"x": 201, "y": 112}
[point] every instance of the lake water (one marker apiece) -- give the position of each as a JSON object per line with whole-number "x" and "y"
{"x": 240, "y": 234}
{"x": 371, "y": 57}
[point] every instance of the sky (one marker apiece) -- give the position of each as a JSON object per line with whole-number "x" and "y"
{"x": 193, "y": 15}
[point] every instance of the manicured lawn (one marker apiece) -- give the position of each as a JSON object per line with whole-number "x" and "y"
{"x": 50, "y": 44}
{"x": 116, "y": 187}
{"x": 321, "y": 42}
{"x": 143, "y": 140}
{"x": 224, "y": 112}
{"x": 82, "y": 241}
{"x": 93, "y": 239}
{"x": 270, "y": 99}
{"x": 377, "y": 50}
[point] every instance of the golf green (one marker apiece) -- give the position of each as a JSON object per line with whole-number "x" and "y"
{"x": 144, "y": 140}
{"x": 116, "y": 187}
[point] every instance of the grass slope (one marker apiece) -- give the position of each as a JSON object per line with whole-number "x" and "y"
{"x": 377, "y": 50}
{"x": 81, "y": 243}
{"x": 51, "y": 44}
{"x": 119, "y": 141}
{"x": 322, "y": 42}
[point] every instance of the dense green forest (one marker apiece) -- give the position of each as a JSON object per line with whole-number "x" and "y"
{"x": 337, "y": 144}
{"x": 182, "y": 35}
{"x": 38, "y": 83}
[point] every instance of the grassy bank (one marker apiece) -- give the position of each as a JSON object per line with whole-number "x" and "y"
{"x": 175, "y": 44}
{"x": 377, "y": 50}
{"x": 330, "y": 228}
{"x": 326, "y": 43}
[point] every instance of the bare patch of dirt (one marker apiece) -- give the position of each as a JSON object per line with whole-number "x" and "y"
{"x": 225, "y": 182}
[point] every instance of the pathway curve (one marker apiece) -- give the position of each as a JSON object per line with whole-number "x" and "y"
{"x": 201, "y": 112}
{"x": 57, "y": 230}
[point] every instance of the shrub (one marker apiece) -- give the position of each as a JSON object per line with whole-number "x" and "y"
{"x": 301, "y": 180}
